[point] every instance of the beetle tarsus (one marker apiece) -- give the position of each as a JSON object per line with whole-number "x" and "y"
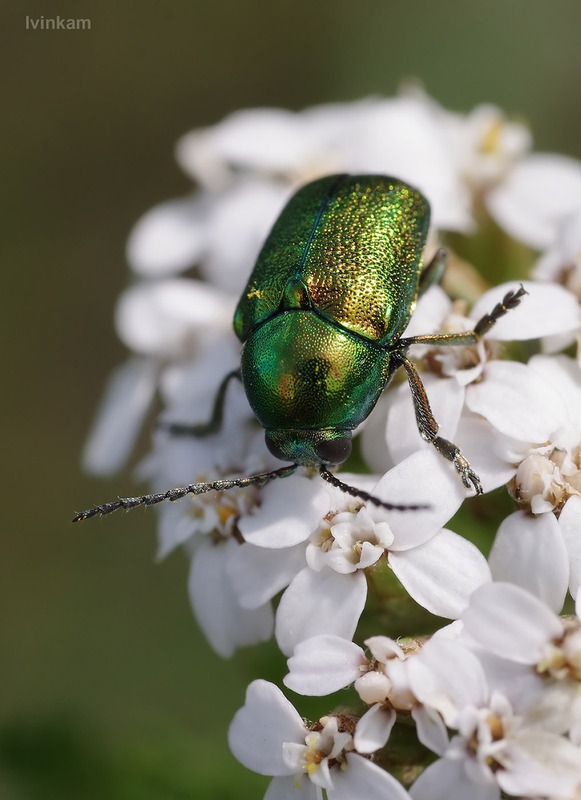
{"x": 469, "y": 478}
{"x": 510, "y": 301}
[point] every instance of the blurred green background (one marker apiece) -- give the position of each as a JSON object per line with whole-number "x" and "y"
{"x": 107, "y": 689}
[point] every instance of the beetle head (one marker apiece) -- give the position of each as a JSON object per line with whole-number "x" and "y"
{"x": 310, "y": 447}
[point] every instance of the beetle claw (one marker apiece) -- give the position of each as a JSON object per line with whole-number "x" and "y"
{"x": 469, "y": 478}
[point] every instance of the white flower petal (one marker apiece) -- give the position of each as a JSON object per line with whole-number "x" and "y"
{"x": 383, "y": 648}
{"x": 293, "y": 787}
{"x": 446, "y": 779}
{"x": 373, "y": 729}
{"x": 424, "y": 478}
{"x": 547, "y": 309}
{"x": 270, "y": 139}
{"x": 128, "y": 397}
{"x": 564, "y": 375}
{"x": 570, "y": 524}
{"x": 510, "y": 622}
{"x": 174, "y": 528}
{"x": 224, "y": 622}
{"x": 363, "y": 779}
{"x": 441, "y": 574}
{"x": 256, "y": 574}
{"x": 477, "y": 440}
{"x": 514, "y": 680}
{"x": 430, "y": 729}
{"x": 402, "y": 136}
{"x": 317, "y": 603}
{"x": 373, "y": 436}
{"x": 188, "y": 388}
{"x": 291, "y": 510}
{"x": 541, "y": 763}
{"x": 261, "y": 727}
{"x": 530, "y": 552}
{"x": 446, "y": 400}
{"x": 322, "y": 775}
{"x": 324, "y": 664}
{"x": 160, "y": 318}
{"x": 537, "y": 194}
{"x": 446, "y": 676}
{"x": 516, "y": 401}
{"x": 237, "y": 228}
{"x": 433, "y": 307}
{"x": 168, "y": 238}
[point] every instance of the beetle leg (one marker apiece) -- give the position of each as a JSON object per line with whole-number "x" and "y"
{"x": 214, "y": 424}
{"x": 509, "y": 301}
{"x": 433, "y": 271}
{"x": 428, "y": 427}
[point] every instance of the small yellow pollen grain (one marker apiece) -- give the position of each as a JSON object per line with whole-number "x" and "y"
{"x": 254, "y": 293}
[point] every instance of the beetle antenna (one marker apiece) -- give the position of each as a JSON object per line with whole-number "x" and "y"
{"x": 369, "y": 498}
{"x": 181, "y": 491}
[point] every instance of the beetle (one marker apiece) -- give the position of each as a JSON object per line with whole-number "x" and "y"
{"x": 321, "y": 322}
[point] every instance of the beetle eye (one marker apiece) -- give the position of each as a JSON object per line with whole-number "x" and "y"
{"x": 275, "y": 449}
{"x": 335, "y": 451}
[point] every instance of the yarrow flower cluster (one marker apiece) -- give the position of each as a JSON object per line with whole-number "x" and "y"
{"x": 495, "y": 697}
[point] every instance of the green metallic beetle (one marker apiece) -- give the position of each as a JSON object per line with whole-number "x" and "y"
{"x": 331, "y": 293}
{"x": 321, "y": 322}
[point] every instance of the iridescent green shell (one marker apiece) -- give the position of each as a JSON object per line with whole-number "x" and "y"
{"x": 334, "y": 286}
{"x": 356, "y": 243}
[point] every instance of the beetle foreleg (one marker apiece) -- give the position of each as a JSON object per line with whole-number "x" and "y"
{"x": 509, "y": 301}
{"x": 214, "y": 424}
{"x": 470, "y": 337}
{"x": 428, "y": 428}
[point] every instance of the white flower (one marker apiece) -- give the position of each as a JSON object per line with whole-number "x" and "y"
{"x": 500, "y": 744}
{"x": 208, "y": 525}
{"x": 226, "y": 624}
{"x": 268, "y": 736}
{"x": 538, "y": 194}
{"x": 181, "y": 322}
{"x": 438, "y": 568}
{"x": 464, "y": 381}
{"x": 401, "y": 136}
{"x": 510, "y": 623}
{"x": 561, "y": 263}
{"x": 324, "y": 664}
{"x": 485, "y": 144}
{"x": 536, "y": 411}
